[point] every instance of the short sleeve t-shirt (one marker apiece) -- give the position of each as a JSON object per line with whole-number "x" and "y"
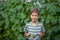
{"x": 34, "y": 30}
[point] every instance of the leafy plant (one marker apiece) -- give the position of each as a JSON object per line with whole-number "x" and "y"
{"x": 14, "y": 14}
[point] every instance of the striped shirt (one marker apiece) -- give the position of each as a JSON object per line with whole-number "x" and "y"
{"x": 34, "y": 30}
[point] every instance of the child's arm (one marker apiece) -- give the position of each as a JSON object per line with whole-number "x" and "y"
{"x": 26, "y": 34}
{"x": 41, "y": 34}
{"x": 26, "y": 31}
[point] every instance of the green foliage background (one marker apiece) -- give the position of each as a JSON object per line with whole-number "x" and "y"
{"x": 15, "y": 13}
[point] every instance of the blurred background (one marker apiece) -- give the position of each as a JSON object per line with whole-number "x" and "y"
{"x": 14, "y": 14}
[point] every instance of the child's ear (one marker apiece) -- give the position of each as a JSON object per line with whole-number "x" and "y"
{"x": 38, "y": 17}
{"x": 30, "y": 16}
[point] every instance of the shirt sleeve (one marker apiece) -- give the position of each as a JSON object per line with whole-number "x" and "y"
{"x": 25, "y": 28}
{"x": 42, "y": 28}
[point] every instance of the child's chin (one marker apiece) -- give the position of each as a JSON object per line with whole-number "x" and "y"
{"x": 34, "y": 20}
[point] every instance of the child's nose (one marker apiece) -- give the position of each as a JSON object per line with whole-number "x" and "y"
{"x": 34, "y": 17}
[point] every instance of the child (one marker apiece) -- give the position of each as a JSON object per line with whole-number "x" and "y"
{"x": 34, "y": 30}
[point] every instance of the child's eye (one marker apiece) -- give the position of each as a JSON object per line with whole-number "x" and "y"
{"x": 35, "y": 15}
{"x": 32, "y": 15}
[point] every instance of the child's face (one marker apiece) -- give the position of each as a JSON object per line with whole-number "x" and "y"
{"x": 34, "y": 16}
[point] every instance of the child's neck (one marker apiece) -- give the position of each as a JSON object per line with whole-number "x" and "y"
{"x": 34, "y": 23}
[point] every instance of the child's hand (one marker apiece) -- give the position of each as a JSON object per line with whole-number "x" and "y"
{"x": 41, "y": 34}
{"x": 27, "y": 34}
